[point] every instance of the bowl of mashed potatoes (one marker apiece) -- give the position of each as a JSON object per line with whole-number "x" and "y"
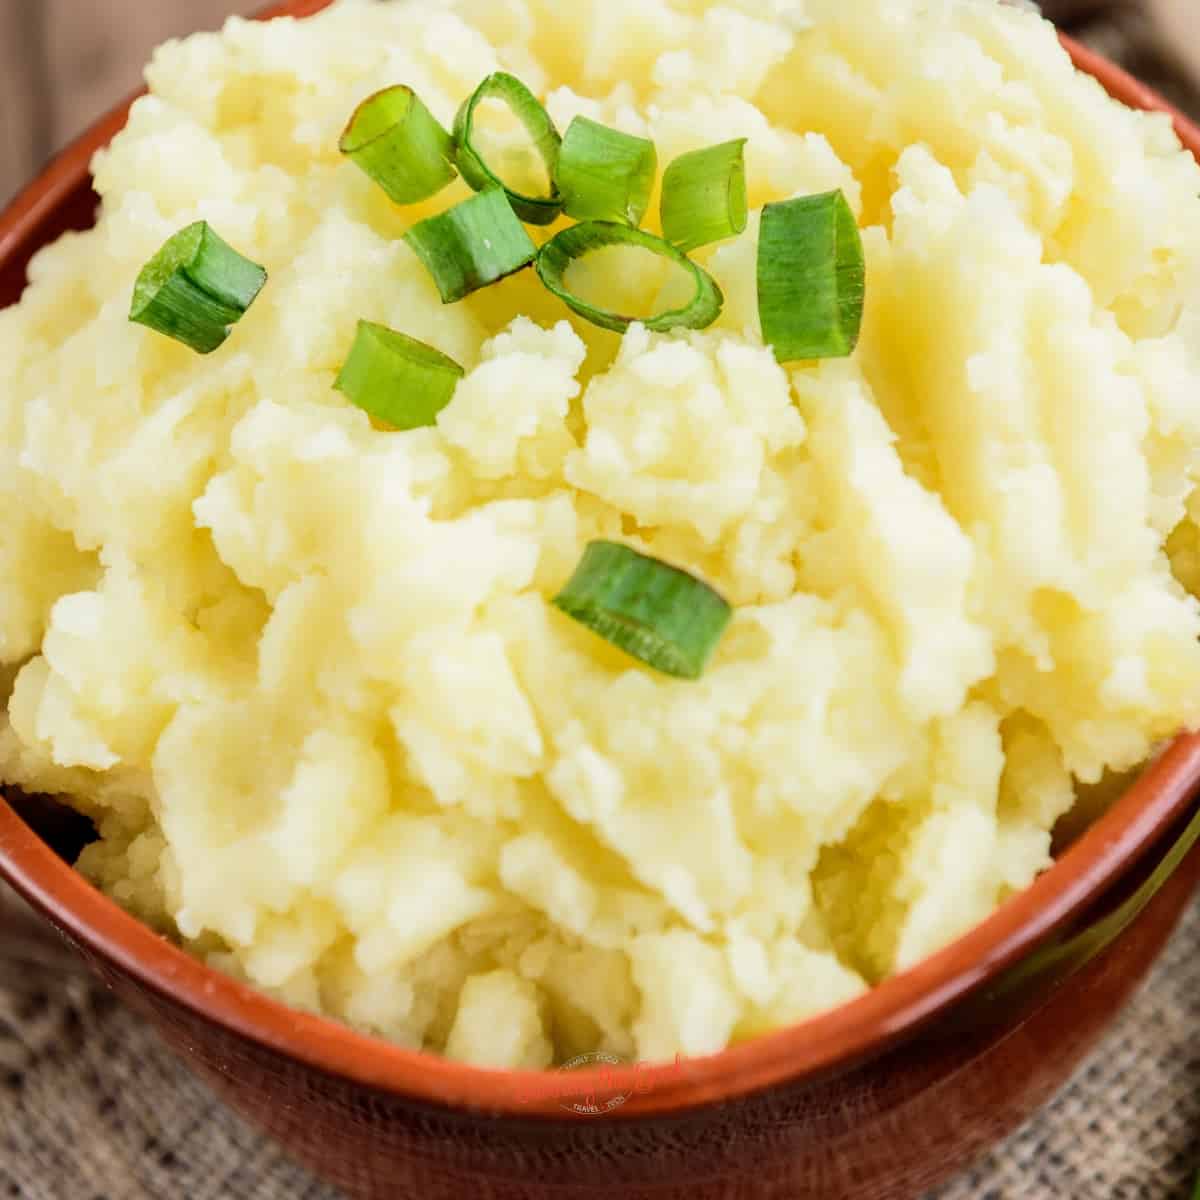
{"x": 446, "y": 860}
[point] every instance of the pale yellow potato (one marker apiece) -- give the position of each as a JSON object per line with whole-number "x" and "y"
{"x": 304, "y": 672}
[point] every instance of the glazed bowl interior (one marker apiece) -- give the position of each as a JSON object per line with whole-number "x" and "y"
{"x": 61, "y": 199}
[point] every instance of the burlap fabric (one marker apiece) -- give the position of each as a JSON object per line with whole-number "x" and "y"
{"x": 92, "y": 1107}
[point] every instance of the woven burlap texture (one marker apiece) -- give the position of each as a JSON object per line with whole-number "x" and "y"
{"x": 93, "y": 1107}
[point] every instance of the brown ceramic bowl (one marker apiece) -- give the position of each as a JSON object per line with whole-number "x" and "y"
{"x": 876, "y": 1100}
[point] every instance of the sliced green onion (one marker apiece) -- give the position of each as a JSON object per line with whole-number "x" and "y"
{"x": 704, "y": 196}
{"x": 196, "y": 288}
{"x": 580, "y": 240}
{"x": 399, "y": 143}
{"x": 524, "y": 105}
{"x": 604, "y": 174}
{"x": 811, "y": 278}
{"x": 660, "y": 615}
{"x": 473, "y": 244}
{"x": 396, "y": 378}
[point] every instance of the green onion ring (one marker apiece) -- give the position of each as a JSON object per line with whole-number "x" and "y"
{"x": 525, "y": 106}
{"x": 658, "y": 614}
{"x": 604, "y": 174}
{"x": 397, "y": 379}
{"x": 401, "y": 145}
{"x": 704, "y": 196}
{"x": 196, "y": 288}
{"x": 472, "y": 245}
{"x": 580, "y": 240}
{"x": 811, "y": 278}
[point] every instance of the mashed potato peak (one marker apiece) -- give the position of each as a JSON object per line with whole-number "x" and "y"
{"x": 304, "y": 674}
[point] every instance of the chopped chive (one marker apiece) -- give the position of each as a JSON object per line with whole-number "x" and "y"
{"x": 580, "y": 240}
{"x": 472, "y": 245}
{"x": 524, "y": 105}
{"x": 400, "y": 144}
{"x": 604, "y": 174}
{"x": 397, "y": 379}
{"x": 658, "y": 614}
{"x": 811, "y": 278}
{"x": 196, "y": 288}
{"x": 704, "y": 196}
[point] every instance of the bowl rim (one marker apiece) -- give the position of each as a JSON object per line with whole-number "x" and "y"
{"x": 819, "y": 1046}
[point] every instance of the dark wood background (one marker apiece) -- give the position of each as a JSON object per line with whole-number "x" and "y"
{"x": 64, "y": 62}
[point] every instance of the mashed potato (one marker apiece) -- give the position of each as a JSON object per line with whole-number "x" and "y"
{"x": 304, "y": 674}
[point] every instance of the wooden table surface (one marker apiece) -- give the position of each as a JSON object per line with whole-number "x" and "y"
{"x": 64, "y": 62}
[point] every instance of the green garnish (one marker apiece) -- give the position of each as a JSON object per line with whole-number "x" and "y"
{"x": 472, "y": 245}
{"x": 525, "y": 106}
{"x": 811, "y": 278}
{"x": 580, "y": 240}
{"x": 196, "y": 288}
{"x": 400, "y": 144}
{"x": 604, "y": 174}
{"x": 704, "y": 196}
{"x": 397, "y": 379}
{"x": 658, "y": 614}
